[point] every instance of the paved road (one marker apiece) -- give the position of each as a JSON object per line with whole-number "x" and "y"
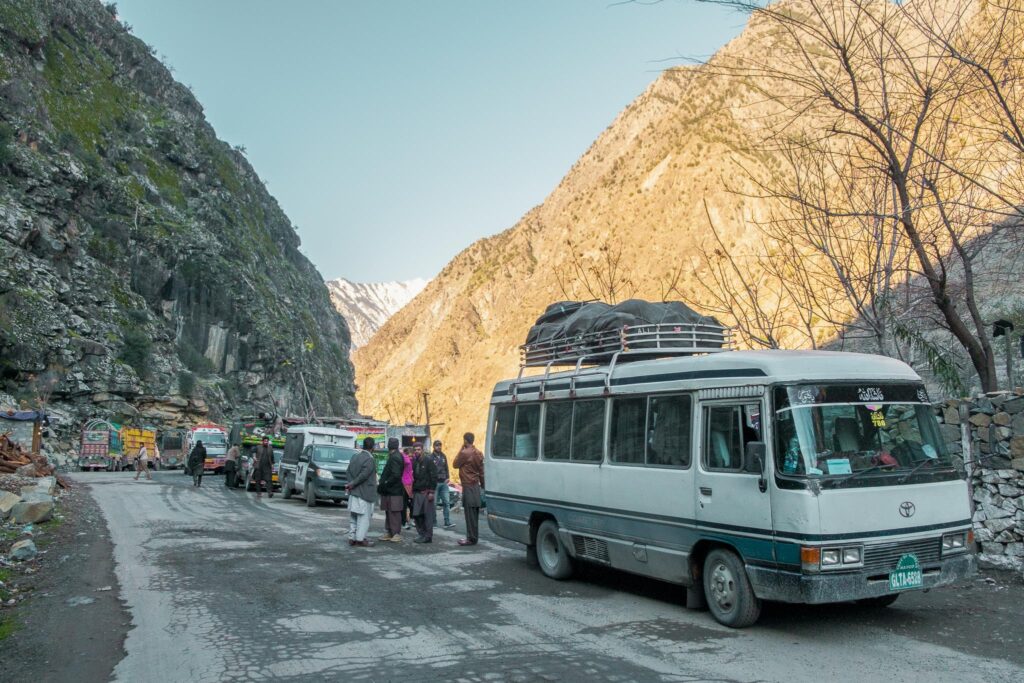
{"x": 221, "y": 587}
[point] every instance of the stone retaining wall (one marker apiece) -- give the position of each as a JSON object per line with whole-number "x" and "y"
{"x": 991, "y": 430}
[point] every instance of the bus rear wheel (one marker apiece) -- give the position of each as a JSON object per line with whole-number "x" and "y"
{"x": 730, "y": 596}
{"x": 552, "y": 556}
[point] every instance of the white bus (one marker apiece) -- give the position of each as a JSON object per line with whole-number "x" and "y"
{"x": 793, "y": 476}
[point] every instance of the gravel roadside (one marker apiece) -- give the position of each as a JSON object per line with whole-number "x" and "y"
{"x": 72, "y": 624}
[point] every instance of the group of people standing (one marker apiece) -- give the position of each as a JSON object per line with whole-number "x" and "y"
{"x": 413, "y": 483}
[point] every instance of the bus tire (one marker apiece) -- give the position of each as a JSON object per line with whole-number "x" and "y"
{"x": 880, "y": 601}
{"x": 286, "y": 488}
{"x": 730, "y": 596}
{"x": 552, "y": 556}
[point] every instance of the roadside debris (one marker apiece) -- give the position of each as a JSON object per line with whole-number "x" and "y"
{"x": 15, "y": 460}
{"x": 23, "y": 550}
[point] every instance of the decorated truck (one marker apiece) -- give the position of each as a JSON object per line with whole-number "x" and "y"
{"x": 172, "y": 449}
{"x": 135, "y": 438}
{"x": 101, "y": 447}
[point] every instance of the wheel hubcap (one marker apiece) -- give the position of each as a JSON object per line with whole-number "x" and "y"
{"x": 549, "y": 550}
{"x": 723, "y": 587}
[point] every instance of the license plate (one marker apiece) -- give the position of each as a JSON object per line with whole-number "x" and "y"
{"x": 907, "y": 574}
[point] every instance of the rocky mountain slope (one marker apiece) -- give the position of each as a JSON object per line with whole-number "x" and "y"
{"x": 144, "y": 266}
{"x": 682, "y": 157}
{"x": 366, "y": 306}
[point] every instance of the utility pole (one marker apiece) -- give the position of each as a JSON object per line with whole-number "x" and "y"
{"x": 426, "y": 413}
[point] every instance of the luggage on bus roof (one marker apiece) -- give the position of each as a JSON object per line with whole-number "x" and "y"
{"x": 572, "y": 319}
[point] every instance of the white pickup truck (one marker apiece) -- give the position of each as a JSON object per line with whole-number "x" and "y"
{"x": 315, "y": 463}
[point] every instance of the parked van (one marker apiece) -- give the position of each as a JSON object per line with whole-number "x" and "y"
{"x": 315, "y": 463}
{"x": 792, "y": 476}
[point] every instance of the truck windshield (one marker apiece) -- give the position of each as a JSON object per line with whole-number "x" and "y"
{"x": 336, "y": 454}
{"x": 887, "y": 433}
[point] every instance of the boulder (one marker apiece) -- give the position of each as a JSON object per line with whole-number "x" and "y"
{"x": 951, "y": 416}
{"x": 28, "y": 470}
{"x": 35, "y": 496}
{"x": 7, "y": 501}
{"x": 1002, "y": 419}
{"x": 23, "y": 550}
{"x": 980, "y": 420}
{"x": 1014, "y": 405}
{"x": 47, "y": 484}
{"x": 1017, "y": 447}
{"x": 31, "y": 512}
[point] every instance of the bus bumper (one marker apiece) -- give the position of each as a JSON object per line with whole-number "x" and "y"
{"x": 788, "y": 586}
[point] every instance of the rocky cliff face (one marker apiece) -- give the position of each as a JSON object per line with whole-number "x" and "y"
{"x": 144, "y": 266}
{"x": 366, "y": 306}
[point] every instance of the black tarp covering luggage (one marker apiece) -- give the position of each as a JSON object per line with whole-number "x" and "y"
{"x": 589, "y": 327}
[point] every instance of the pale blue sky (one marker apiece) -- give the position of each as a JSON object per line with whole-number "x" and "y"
{"x": 394, "y": 133}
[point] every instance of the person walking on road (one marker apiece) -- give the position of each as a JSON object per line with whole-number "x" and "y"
{"x": 142, "y": 463}
{"x": 362, "y": 493}
{"x": 263, "y": 468}
{"x": 392, "y": 493}
{"x": 470, "y": 464}
{"x": 231, "y": 467}
{"x": 196, "y": 459}
{"x": 442, "y": 493}
{"x": 424, "y": 488}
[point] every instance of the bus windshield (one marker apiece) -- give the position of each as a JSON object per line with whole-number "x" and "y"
{"x": 887, "y": 433}
{"x": 211, "y": 439}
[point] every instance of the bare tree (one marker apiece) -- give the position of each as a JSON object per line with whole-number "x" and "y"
{"x": 604, "y": 276}
{"x": 901, "y": 127}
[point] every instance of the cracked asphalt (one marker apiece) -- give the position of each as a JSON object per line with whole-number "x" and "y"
{"x": 221, "y": 587}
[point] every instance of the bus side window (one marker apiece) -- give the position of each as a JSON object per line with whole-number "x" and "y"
{"x": 627, "y": 437}
{"x": 501, "y": 431}
{"x": 669, "y": 421}
{"x": 527, "y": 431}
{"x": 723, "y": 442}
{"x": 557, "y": 429}
{"x": 588, "y": 431}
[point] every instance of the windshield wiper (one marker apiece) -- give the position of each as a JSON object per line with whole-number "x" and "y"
{"x": 908, "y": 475}
{"x": 842, "y": 482}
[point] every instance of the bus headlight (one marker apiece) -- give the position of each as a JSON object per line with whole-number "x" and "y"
{"x": 852, "y": 555}
{"x": 954, "y": 543}
{"x": 821, "y": 559}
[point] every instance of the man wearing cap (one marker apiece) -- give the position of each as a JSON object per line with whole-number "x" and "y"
{"x": 392, "y": 492}
{"x": 263, "y": 468}
{"x": 442, "y": 494}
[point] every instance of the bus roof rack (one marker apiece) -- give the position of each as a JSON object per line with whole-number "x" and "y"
{"x": 630, "y": 342}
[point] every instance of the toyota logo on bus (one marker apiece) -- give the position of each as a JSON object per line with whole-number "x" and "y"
{"x": 907, "y": 509}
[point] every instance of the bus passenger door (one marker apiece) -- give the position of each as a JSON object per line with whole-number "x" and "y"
{"x": 730, "y": 505}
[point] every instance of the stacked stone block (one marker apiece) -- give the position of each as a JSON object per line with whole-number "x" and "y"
{"x": 995, "y": 431}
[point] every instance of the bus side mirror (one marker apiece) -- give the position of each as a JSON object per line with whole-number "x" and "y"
{"x": 754, "y": 462}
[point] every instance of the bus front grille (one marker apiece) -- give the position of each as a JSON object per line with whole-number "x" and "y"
{"x": 590, "y": 548}
{"x": 885, "y": 556}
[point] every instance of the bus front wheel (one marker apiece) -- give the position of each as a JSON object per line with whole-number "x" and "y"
{"x": 552, "y": 557}
{"x": 730, "y": 597}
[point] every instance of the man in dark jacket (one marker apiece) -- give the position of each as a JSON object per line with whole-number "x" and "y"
{"x": 196, "y": 460}
{"x": 442, "y": 494}
{"x": 263, "y": 468}
{"x": 424, "y": 486}
{"x": 392, "y": 493}
{"x": 362, "y": 493}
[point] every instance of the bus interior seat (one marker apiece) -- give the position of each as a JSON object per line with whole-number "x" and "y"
{"x": 847, "y": 436}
